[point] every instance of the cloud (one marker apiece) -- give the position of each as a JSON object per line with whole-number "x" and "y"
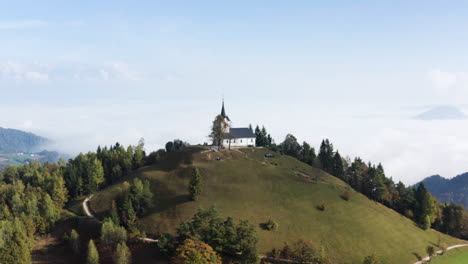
{"x": 22, "y": 24}
{"x": 68, "y": 71}
{"x": 20, "y": 72}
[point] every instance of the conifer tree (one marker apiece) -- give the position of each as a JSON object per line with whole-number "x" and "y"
{"x": 93, "y": 254}
{"x": 122, "y": 254}
{"x": 75, "y": 242}
{"x": 195, "y": 187}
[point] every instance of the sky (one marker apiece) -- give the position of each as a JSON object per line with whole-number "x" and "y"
{"x": 88, "y": 73}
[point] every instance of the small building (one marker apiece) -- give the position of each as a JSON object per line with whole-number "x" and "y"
{"x": 237, "y": 136}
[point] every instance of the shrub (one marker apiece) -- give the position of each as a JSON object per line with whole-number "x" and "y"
{"x": 370, "y": 260}
{"x": 271, "y": 225}
{"x": 443, "y": 247}
{"x": 322, "y": 207}
{"x": 409, "y": 214}
{"x": 430, "y": 251}
{"x": 346, "y": 196}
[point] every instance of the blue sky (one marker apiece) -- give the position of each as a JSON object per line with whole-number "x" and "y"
{"x": 92, "y": 72}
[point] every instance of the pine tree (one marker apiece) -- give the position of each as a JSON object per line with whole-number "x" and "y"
{"x": 93, "y": 254}
{"x": 195, "y": 187}
{"x": 338, "y": 170}
{"x": 75, "y": 242}
{"x": 122, "y": 254}
{"x": 95, "y": 175}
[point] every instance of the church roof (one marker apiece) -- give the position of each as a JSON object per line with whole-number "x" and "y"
{"x": 239, "y": 133}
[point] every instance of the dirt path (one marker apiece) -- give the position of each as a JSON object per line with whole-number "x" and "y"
{"x": 86, "y": 208}
{"x": 440, "y": 252}
{"x": 89, "y": 214}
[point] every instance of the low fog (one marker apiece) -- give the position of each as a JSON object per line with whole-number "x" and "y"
{"x": 408, "y": 149}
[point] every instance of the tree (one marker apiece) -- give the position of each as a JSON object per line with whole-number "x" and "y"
{"x": 15, "y": 246}
{"x": 122, "y": 254}
{"x": 196, "y": 252}
{"x": 325, "y": 155}
{"x": 290, "y": 146}
{"x": 95, "y": 175}
{"x": 304, "y": 252}
{"x": 93, "y": 254}
{"x": 139, "y": 154}
{"x": 75, "y": 242}
{"x": 195, "y": 186}
{"x": 112, "y": 234}
{"x": 337, "y": 166}
{"x": 218, "y": 130}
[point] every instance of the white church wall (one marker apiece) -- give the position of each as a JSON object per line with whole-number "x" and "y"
{"x": 239, "y": 142}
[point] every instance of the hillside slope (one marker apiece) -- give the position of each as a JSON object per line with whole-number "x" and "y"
{"x": 246, "y": 185}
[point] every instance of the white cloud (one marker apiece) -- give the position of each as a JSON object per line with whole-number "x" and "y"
{"x": 22, "y": 24}
{"x": 36, "y": 76}
{"x": 69, "y": 71}
{"x": 20, "y": 72}
{"x": 121, "y": 70}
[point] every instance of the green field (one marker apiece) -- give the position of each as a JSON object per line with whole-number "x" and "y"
{"x": 246, "y": 185}
{"x": 13, "y": 159}
{"x": 454, "y": 256}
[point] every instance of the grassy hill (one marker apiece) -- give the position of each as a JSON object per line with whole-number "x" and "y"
{"x": 454, "y": 256}
{"x": 246, "y": 185}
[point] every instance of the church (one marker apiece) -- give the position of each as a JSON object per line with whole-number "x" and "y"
{"x": 237, "y": 136}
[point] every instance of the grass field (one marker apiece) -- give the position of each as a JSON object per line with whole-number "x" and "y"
{"x": 454, "y": 256}
{"x": 246, "y": 185}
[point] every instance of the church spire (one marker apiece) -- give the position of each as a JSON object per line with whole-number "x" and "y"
{"x": 223, "y": 112}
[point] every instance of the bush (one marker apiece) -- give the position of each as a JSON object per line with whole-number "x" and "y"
{"x": 443, "y": 247}
{"x": 271, "y": 225}
{"x": 370, "y": 260}
{"x": 346, "y": 196}
{"x": 322, "y": 207}
{"x": 409, "y": 214}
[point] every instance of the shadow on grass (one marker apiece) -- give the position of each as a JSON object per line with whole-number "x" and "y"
{"x": 169, "y": 203}
{"x": 174, "y": 160}
{"x": 418, "y": 257}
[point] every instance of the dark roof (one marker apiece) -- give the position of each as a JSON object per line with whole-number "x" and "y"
{"x": 239, "y": 133}
{"x": 223, "y": 113}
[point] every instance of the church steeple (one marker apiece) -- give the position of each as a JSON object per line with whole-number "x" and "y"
{"x": 223, "y": 112}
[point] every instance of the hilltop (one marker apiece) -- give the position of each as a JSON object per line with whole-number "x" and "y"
{"x": 245, "y": 184}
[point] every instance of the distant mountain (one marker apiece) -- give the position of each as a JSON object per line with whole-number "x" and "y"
{"x": 14, "y": 141}
{"x": 442, "y": 112}
{"x": 453, "y": 190}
